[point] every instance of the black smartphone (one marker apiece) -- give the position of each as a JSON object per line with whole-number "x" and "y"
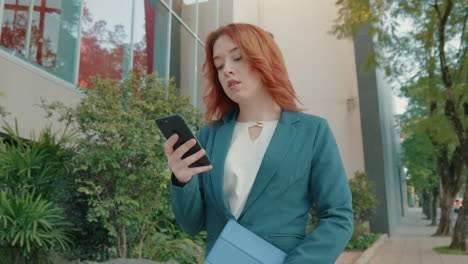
{"x": 175, "y": 124}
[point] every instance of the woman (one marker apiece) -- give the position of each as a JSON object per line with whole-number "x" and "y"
{"x": 270, "y": 162}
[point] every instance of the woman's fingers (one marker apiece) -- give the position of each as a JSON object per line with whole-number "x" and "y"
{"x": 197, "y": 170}
{"x": 169, "y": 144}
{"x": 192, "y": 158}
{"x": 180, "y": 167}
{"x": 180, "y": 151}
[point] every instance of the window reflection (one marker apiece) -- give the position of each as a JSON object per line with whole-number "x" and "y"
{"x": 182, "y": 58}
{"x": 143, "y": 37}
{"x": 14, "y": 25}
{"x": 105, "y": 39}
{"x": 200, "y": 80}
{"x": 186, "y": 9}
{"x": 43, "y": 46}
{"x": 53, "y": 22}
{"x": 207, "y": 21}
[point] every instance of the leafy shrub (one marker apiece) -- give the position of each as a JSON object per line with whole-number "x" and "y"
{"x": 363, "y": 241}
{"x": 30, "y": 223}
{"x": 30, "y": 227}
{"x": 34, "y": 165}
{"x": 120, "y": 150}
{"x": 364, "y": 205}
{"x": 91, "y": 240}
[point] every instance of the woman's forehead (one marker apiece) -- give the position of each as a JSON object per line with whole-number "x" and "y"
{"x": 224, "y": 45}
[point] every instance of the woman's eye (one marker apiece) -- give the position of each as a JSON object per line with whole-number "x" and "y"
{"x": 220, "y": 67}
{"x": 238, "y": 59}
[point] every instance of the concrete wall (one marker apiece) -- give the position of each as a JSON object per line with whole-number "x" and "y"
{"x": 321, "y": 68}
{"x": 23, "y": 86}
{"x": 381, "y": 144}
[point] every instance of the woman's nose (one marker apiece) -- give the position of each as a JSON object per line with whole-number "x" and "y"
{"x": 227, "y": 69}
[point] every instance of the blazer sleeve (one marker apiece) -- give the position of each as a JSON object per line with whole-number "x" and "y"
{"x": 188, "y": 202}
{"x": 332, "y": 196}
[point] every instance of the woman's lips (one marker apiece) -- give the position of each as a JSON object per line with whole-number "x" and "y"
{"x": 233, "y": 84}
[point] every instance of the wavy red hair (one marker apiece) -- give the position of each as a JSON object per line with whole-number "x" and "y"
{"x": 264, "y": 56}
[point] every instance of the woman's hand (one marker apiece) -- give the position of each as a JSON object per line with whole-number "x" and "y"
{"x": 179, "y": 166}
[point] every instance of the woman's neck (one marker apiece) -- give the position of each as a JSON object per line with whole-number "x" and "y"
{"x": 260, "y": 111}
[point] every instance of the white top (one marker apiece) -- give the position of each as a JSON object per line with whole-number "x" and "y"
{"x": 243, "y": 161}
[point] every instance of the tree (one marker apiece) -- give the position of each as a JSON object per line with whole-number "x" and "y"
{"x": 121, "y": 149}
{"x": 430, "y": 50}
{"x": 419, "y": 159}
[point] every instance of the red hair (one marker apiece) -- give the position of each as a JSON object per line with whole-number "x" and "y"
{"x": 264, "y": 56}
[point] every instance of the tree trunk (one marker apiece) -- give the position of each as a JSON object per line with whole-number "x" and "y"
{"x": 451, "y": 178}
{"x": 460, "y": 230}
{"x": 444, "y": 225}
{"x": 122, "y": 241}
{"x": 435, "y": 194}
{"x": 143, "y": 233}
{"x": 426, "y": 203}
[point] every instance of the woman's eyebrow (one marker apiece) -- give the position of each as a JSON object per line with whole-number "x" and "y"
{"x": 231, "y": 51}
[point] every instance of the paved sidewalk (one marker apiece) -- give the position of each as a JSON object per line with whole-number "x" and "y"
{"x": 412, "y": 244}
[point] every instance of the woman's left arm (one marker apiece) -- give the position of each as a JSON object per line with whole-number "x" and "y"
{"x": 332, "y": 197}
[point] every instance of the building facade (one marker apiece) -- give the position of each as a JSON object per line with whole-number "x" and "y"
{"x": 47, "y": 47}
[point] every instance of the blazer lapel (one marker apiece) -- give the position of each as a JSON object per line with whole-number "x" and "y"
{"x": 222, "y": 142}
{"x": 279, "y": 145}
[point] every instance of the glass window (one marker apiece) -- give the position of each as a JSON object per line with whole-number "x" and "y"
{"x": 144, "y": 24}
{"x": 207, "y": 22}
{"x": 158, "y": 42}
{"x": 200, "y": 80}
{"x": 43, "y": 44}
{"x": 53, "y": 33}
{"x": 105, "y": 39}
{"x": 186, "y": 9}
{"x": 15, "y": 25}
{"x": 183, "y": 58}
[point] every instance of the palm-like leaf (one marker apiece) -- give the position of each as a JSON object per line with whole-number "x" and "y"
{"x": 30, "y": 223}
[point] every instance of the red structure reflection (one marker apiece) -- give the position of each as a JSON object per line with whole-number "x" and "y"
{"x": 102, "y": 49}
{"x": 14, "y": 32}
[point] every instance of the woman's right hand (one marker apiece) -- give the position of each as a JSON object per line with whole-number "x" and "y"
{"x": 180, "y": 167}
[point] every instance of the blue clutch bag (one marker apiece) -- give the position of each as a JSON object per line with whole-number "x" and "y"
{"x": 237, "y": 245}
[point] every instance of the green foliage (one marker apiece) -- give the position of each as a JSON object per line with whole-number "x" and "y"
{"x": 447, "y": 250}
{"x": 30, "y": 227}
{"x": 418, "y": 157}
{"x": 91, "y": 240}
{"x": 120, "y": 149}
{"x": 35, "y": 165}
{"x": 364, "y": 201}
{"x": 30, "y": 224}
{"x": 363, "y": 241}
{"x": 181, "y": 248}
{"x": 364, "y": 205}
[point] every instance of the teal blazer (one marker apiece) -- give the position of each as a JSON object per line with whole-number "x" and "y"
{"x": 301, "y": 167}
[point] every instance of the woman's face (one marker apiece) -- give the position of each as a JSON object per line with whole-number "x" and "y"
{"x": 239, "y": 81}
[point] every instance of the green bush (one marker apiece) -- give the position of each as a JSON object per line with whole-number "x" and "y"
{"x": 364, "y": 205}
{"x": 91, "y": 240}
{"x": 30, "y": 222}
{"x": 363, "y": 241}
{"x": 120, "y": 150}
{"x": 30, "y": 227}
{"x": 34, "y": 165}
